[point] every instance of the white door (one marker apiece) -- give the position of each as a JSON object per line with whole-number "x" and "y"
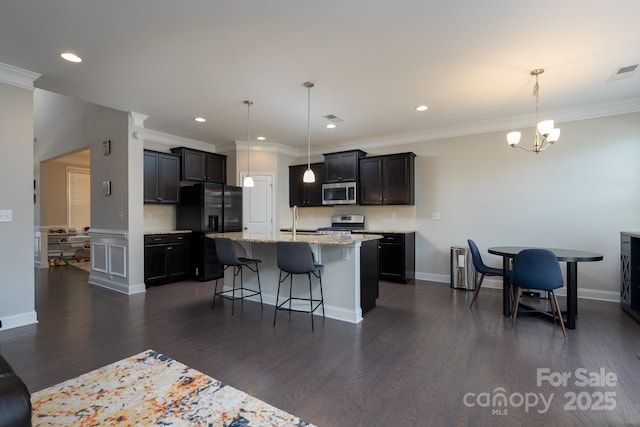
{"x": 257, "y": 205}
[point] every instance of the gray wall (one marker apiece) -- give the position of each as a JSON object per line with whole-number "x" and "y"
{"x": 17, "y": 304}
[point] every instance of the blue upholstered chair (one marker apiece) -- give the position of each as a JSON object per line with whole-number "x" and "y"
{"x": 226, "y": 254}
{"x": 297, "y": 258}
{"x": 481, "y": 269}
{"x": 537, "y": 269}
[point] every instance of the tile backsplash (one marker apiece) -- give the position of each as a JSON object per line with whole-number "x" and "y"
{"x": 159, "y": 217}
{"x": 377, "y": 218}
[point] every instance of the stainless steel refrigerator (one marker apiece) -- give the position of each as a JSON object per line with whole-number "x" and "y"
{"x": 208, "y": 208}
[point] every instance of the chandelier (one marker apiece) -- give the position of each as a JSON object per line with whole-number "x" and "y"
{"x": 546, "y": 134}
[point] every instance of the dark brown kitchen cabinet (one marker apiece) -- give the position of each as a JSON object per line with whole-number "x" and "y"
{"x": 342, "y": 166}
{"x": 305, "y": 194}
{"x": 202, "y": 166}
{"x": 388, "y": 180}
{"x": 166, "y": 258}
{"x": 161, "y": 177}
{"x": 397, "y": 257}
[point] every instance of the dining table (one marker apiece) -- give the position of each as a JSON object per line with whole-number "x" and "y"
{"x": 571, "y": 256}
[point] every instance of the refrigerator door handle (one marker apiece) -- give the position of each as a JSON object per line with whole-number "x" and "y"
{"x": 214, "y": 222}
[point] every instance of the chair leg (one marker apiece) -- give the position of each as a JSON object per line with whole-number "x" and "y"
{"x": 275, "y": 312}
{"x": 215, "y": 291}
{"x": 555, "y": 302}
{"x": 514, "y": 309}
{"x": 321, "y": 295}
{"x": 475, "y": 294}
{"x": 233, "y": 291}
{"x": 259, "y": 287}
{"x": 310, "y": 299}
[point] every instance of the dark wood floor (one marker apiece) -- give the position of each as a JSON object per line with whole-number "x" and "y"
{"x": 410, "y": 362}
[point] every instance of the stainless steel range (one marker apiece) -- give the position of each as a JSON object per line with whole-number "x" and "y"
{"x": 344, "y": 224}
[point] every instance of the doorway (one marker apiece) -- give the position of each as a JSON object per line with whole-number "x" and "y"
{"x": 257, "y": 204}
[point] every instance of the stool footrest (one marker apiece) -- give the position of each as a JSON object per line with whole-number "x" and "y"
{"x": 229, "y": 294}
{"x": 307, "y": 300}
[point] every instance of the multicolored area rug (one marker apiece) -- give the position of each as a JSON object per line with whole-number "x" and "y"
{"x": 152, "y": 389}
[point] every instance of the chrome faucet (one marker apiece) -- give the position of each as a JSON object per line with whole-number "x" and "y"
{"x": 295, "y": 220}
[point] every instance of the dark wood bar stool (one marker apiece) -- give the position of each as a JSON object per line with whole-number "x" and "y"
{"x": 297, "y": 258}
{"x": 226, "y": 255}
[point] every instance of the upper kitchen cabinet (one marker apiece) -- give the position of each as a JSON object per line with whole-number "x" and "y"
{"x": 305, "y": 194}
{"x": 161, "y": 177}
{"x": 202, "y": 166}
{"x": 388, "y": 180}
{"x": 342, "y": 166}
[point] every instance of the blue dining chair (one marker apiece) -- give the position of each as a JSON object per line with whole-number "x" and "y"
{"x": 481, "y": 269}
{"x": 537, "y": 269}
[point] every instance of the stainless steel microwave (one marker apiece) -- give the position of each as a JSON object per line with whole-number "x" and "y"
{"x": 340, "y": 193}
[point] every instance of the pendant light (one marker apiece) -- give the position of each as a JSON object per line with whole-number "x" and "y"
{"x": 308, "y": 176}
{"x": 248, "y": 180}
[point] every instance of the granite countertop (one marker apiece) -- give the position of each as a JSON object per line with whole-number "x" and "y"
{"x": 319, "y": 239}
{"x": 150, "y": 233}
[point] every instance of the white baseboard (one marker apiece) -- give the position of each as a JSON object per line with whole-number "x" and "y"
{"x": 493, "y": 283}
{"x": 17, "y": 320}
{"x": 116, "y": 286}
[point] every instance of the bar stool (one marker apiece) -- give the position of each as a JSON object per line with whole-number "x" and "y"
{"x": 297, "y": 258}
{"x": 226, "y": 255}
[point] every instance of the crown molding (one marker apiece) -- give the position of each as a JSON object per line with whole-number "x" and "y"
{"x": 17, "y": 76}
{"x": 138, "y": 118}
{"x": 176, "y": 141}
{"x": 268, "y": 148}
{"x": 560, "y": 116}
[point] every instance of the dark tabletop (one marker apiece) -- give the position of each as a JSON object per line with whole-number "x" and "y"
{"x": 567, "y": 255}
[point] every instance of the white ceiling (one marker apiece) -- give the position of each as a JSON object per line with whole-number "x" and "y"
{"x": 372, "y": 61}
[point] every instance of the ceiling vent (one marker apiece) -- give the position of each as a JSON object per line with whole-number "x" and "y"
{"x": 333, "y": 118}
{"x": 623, "y": 72}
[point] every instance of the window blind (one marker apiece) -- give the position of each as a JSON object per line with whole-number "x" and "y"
{"x": 79, "y": 194}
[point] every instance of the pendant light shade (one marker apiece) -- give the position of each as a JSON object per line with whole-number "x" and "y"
{"x": 308, "y": 176}
{"x": 248, "y": 180}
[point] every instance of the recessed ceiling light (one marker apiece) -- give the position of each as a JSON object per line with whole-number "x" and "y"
{"x": 331, "y": 126}
{"x": 422, "y": 108}
{"x": 261, "y": 138}
{"x": 200, "y": 119}
{"x": 71, "y": 57}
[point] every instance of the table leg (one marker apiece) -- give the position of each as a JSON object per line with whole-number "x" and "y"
{"x": 506, "y": 297}
{"x": 572, "y": 294}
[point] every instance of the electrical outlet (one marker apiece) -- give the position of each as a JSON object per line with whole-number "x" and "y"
{"x": 121, "y": 216}
{"x": 435, "y": 216}
{"x": 6, "y": 215}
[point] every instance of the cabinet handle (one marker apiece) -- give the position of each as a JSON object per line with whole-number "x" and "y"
{"x": 169, "y": 248}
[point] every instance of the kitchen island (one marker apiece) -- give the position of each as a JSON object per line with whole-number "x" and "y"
{"x": 349, "y": 278}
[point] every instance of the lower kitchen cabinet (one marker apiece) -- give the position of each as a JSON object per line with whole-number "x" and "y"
{"x": 397, "y": 257}
{"x": 368, "y": 275}
{"x": 166, "y": 258}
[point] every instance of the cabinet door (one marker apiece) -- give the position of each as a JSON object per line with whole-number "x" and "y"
{"x": 297, "y": 189}
{"x": 397, "y": 183}
{"x": 155, "y": 263}
{"x": 150, "y": 177}
{"x": 332, "y": 168}
{"x": 392, "y": 261}
{"x": 193, "y": 165}
{"x": 314, "y": 190}
{"x": 349, "y": 167}
{"x": 168, "y": 178}
{"x": 371, "y": 181}
{"x": 177, "y": 260}
{"x": 216, "y": 168}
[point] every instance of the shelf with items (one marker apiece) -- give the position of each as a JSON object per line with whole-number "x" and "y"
{"x": 67, "y": 246}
